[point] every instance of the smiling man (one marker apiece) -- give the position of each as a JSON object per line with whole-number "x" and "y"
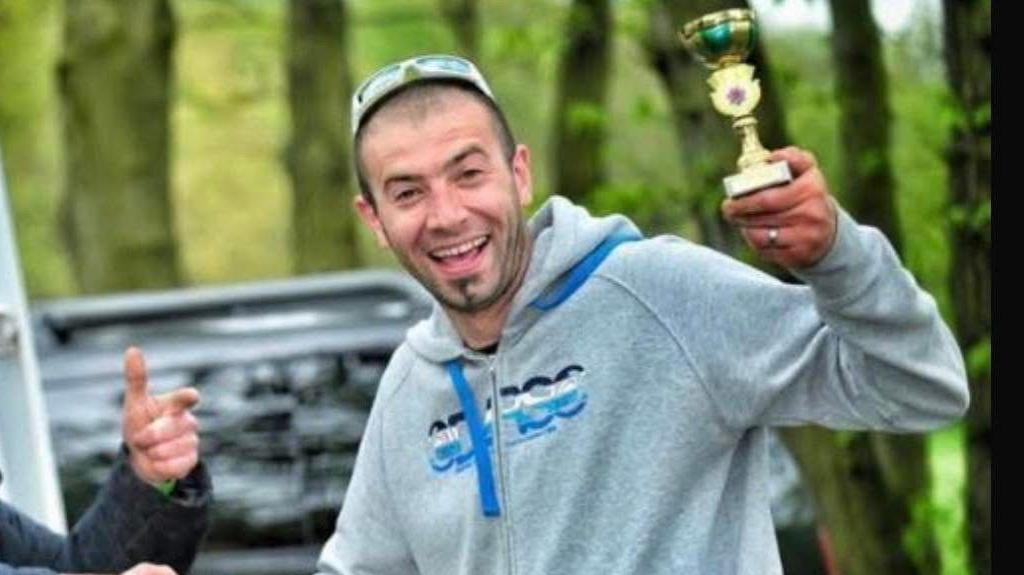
{"x": 450, "y": 204}
{"x": 583, "y": 400}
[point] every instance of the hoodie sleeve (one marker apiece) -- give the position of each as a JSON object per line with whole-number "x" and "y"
{"x": 861, "y": 346}
{"x": 9, "y": 570}
{"x": 23, "y": 539}
{"x": 367, "y": 539}
{"x": 130, "y": 522}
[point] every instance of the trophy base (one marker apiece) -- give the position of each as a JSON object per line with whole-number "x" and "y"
{"x": 757, "y": 178}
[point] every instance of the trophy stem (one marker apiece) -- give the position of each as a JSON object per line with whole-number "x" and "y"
{"x": 754, "y": 154}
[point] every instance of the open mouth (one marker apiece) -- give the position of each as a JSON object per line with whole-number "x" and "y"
{"x": 462, "y": 256}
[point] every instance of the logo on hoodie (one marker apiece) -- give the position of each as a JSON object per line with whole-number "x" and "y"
{"x": 534, "y": 409}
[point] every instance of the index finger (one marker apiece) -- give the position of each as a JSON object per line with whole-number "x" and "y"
{"x": 179, "y": 400}
{"x": 763, "y": 203}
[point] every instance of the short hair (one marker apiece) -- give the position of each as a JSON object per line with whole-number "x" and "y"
{"x": 422, "y": 93}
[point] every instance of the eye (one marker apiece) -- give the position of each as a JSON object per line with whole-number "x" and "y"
{"x": 471, "y": 175}
{"x": 405, "y": 195}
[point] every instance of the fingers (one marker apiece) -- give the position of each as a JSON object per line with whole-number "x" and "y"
{"x": 164, "y": 429}
{"x": 150, "y": 569}
{"x": 174, "y": 467}
{"x": 799, "y": 160}
{"x": 161, "y": 434}
{"x": 168, "y": 448}
{"x": 793, "y": 247}
{"x": 793, "y": 225}
{"x": 808, "y": 186}
{"x": 178, "y": 400}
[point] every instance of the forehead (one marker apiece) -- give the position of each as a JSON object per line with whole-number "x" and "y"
{"x": 412, "y": 109}
{"x": 427, "y": 125}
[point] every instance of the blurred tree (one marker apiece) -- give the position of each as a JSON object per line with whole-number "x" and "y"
{"x": 115, "y": 86}
{"x": 968, "y": 32}
{"x": 463, "y": 17}
{"x": 580, "y": 119}
{"x": 897, "y": 463}
{"x": 852, "y": 476}
{"x": 28, "y": 138}
{"x": 324, "y": 229}
{"x": 709, "y": 148}
{"x": 862, "y": 92}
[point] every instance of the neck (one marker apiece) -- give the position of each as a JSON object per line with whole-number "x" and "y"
{"x": 481, "y": 328}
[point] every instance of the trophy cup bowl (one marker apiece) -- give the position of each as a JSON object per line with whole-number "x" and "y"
{"x": 721, "y": 38}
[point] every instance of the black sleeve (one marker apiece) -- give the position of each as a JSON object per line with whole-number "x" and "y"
{"x": 25, "y": 543}
{"x": 129, "y": 522}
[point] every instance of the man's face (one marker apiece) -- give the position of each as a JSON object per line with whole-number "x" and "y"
{"x": 447, "y": 201}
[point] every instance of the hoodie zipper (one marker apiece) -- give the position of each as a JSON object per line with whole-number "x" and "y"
{"x": 496, "y": 414}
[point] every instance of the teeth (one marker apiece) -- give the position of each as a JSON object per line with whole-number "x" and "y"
{"x": 460, "y": 249}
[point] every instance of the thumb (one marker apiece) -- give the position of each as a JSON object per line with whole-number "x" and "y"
{"x": 799, "y": 160}
{"x": 135, "y": 379}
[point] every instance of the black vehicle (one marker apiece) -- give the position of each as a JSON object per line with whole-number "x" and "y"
{"x": 287, "y": 371}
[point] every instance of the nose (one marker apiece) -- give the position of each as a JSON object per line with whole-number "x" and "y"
{"x": 447, "y": 209}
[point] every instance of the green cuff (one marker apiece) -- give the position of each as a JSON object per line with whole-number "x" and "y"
{"x": 166, "y": 487}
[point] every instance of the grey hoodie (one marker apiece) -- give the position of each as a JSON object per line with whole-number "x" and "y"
{"x": 633, "y": 413}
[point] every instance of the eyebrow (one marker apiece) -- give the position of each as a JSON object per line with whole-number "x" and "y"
{"x": 458, "y": 157}
{"x": 461, "y": 155}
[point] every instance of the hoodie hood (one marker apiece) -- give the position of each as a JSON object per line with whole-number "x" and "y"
{"x": 563, "y": 235}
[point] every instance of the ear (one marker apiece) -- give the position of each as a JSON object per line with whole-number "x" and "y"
{"x": 522, "y": 175}
{"x": 368, "y": 213}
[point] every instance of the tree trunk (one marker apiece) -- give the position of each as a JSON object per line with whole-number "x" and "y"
{"x": 969, "y": 64}
{"x": 863, "y": 96}
{"x": 323, "y": 220}
{"x": 464, "y": 18}
{"x": 580, "y": 114}
{"x": 28, "y": 138}
{"x": 863, "y": 501}
{"x": 866, "y": 511}
{"x": 709, "y": 148}
{"x": 115, "y": 83}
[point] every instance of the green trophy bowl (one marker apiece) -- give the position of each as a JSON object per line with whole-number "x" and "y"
{"x": 721, "y": 38}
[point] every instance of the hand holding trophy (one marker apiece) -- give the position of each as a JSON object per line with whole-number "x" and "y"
{"x": 722, "y": 41}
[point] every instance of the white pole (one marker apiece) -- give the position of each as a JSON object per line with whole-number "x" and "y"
{"x": 26, "y": 456}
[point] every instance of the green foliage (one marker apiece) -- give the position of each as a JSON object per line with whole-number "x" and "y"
{"x": 918, "y": 534}
{"x": 230, "y": 121}
{"x": 643, "y": 109}
{"x": 585, "y": 118}
{"x": 947, "y": 461}
{"x": 976, "y": 217}
{"x": 657, "y": 207}
{"x": 979, "y": 359}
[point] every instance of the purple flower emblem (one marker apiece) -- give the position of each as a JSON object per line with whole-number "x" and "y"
{"x": 736, "y": 95}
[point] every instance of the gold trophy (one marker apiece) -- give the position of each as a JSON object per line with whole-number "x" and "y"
{"x": 722, "y": 41}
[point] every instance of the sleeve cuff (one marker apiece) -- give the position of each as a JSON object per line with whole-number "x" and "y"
{"x": 845, "y": 270}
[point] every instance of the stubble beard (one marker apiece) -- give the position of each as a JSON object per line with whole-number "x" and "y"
{"x": 467, "y": 301}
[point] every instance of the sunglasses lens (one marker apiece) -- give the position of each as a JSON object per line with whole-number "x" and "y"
{"x": 444, "y": 64}
{"x": 378, "y": 83}
{"x": 394, "y": 76}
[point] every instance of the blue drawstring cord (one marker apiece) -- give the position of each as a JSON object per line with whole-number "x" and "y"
{"x": 478, "y": 434}
{"x": 581, "y": 271}
{"x": 481, "y": 453}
